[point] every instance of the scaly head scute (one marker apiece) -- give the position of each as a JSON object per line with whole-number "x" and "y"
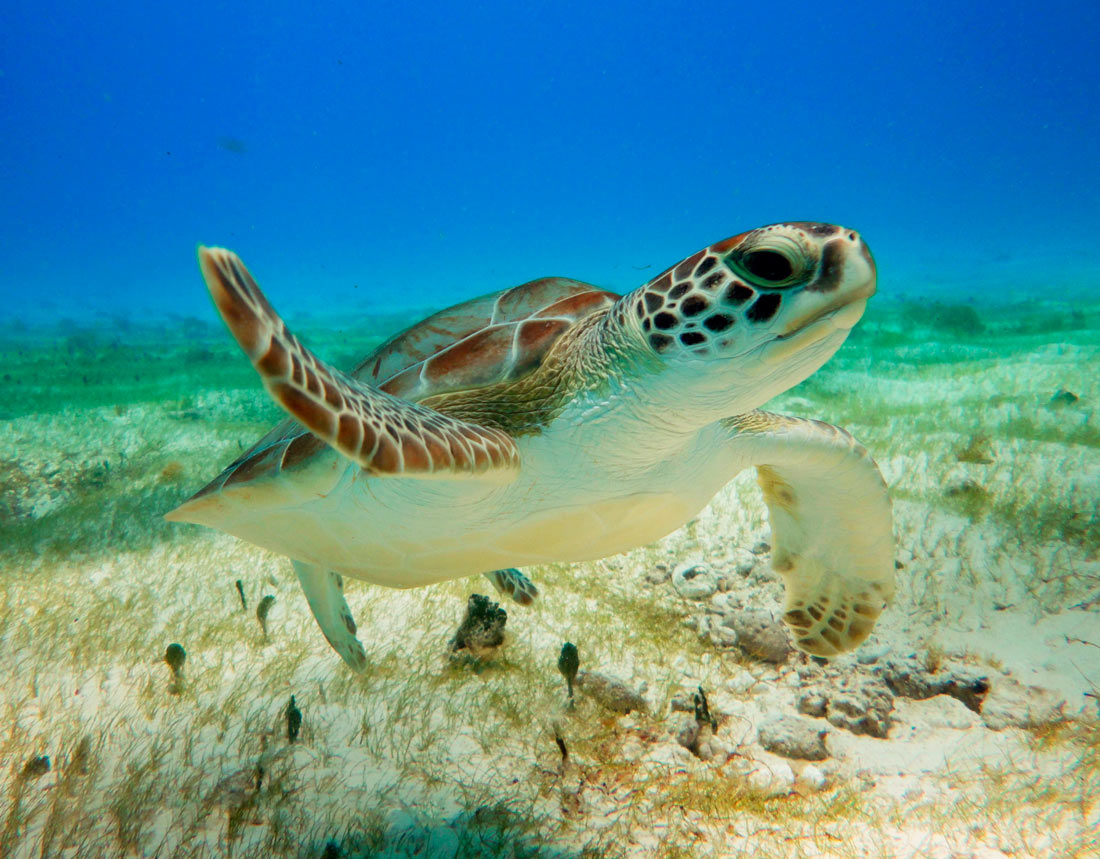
{"x": 780, "y": 300}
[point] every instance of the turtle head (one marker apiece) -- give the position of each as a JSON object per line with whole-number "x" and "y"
{"x": 748, "y": 317}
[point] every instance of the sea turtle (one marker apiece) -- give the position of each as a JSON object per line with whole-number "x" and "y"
{"x": 558, "y": 421}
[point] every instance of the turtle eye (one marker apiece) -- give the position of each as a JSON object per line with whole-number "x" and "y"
{"x": 768, "y": 267}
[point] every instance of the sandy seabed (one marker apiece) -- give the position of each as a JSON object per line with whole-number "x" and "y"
{"x": 985, "y": 426}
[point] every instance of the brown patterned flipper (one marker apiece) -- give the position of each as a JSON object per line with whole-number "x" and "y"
{"x": 384, "y": 434}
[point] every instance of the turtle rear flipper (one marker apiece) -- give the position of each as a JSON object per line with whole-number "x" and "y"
{"x": 830, "y": 517}
{"x": 384, "y": 434}
{"x": 512, "y": 583}
{"x": 324, "y": 592}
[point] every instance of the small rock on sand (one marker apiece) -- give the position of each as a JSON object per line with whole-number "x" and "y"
{"x": 812, "y": 778}
{"x": 688, "y": 734}
{"x": 1011, "y": 704}
{"x": 742, "y": 561}
{"x": 668, "y": 755}
{"x": 793, "y": 737}
{"x": 775, "y": 778}
{"x": 694, "y": 580}
{"x": 910, "y": 677}
{"x": 858, "y": 704}
{"x": 482, "y": 629}
{"x": 760, "y": 635}
{"x": 610, "y": 692}
{"x": 658, "y": 575}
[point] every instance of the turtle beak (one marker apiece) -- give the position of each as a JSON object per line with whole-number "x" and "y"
{"x": 865, "y": 253}
{"x": 846, "y": 278}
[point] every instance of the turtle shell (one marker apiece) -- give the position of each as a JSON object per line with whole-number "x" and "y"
{"x": 497, "y": 338}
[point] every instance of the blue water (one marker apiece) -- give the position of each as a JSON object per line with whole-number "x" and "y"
{"x": 386, "y": 154}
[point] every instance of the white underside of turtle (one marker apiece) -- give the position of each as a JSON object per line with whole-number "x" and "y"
{"x": 557, "y": 422}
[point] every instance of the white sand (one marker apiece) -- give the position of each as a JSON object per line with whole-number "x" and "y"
{"x": 418, "y": 758}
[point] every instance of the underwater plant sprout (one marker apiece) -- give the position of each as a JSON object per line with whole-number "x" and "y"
{"x": 293, "y": 721}
{"x": 569, "y": 663}
{"x": 262, "y": 611}
{"x": 174, "y": 657}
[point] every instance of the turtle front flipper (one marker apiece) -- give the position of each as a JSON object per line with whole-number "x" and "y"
{"x": 324, "y": 592}
{"x": 384, "y": 434}
{"x": 831, "y": 522}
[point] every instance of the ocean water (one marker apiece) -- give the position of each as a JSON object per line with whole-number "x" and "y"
{"x": 383, "y": 156}
{"x": 374, "y": 162}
